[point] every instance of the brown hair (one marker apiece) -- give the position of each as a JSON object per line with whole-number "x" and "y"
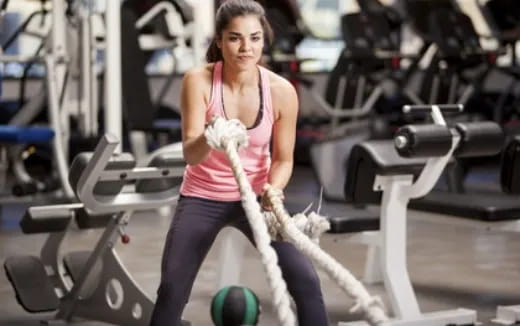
{"x": 226, "y": 12}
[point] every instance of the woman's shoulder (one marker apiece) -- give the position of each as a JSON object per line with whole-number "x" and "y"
{"x": 281, "y": 88}
{"x": 283, "y": 94}
{"x": 200, "y": 73}
{"x": 198, "y": 80}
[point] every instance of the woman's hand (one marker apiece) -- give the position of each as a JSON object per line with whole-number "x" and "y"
{"x": 266, "y": 203}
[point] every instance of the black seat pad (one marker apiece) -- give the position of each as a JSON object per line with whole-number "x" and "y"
{"x": 488, "y": 207}
{"x": 34, "y": 290}
{"x": 356, "y": 221}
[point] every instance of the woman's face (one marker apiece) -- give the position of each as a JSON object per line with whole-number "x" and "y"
{"x": 242, "y": 42}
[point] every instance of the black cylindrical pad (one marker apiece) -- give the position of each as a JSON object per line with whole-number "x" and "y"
{"x": 423, "y": 140}
{"x": 483, "y": 138}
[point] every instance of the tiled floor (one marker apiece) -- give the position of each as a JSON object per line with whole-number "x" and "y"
{"x": 450, "y": 265}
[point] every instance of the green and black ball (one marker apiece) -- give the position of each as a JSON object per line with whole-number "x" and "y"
{"x": 235, "y": 306}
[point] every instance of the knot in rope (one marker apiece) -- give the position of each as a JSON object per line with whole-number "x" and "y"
{"x": 221, "y": 131}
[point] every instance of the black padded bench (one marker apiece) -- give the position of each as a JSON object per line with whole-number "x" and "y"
{"x": 390, "y": 174}
{"x": 366, "y": 160}
{"x": 371, "y": 158}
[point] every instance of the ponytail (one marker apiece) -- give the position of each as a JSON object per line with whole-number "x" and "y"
{"x": 213, "y": 54}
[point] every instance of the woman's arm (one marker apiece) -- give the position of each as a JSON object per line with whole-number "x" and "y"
{"x": 193, "y": 113}
{"x": 285, "y": 102}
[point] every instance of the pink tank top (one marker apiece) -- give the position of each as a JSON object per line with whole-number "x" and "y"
{"x": 213, "y": 178}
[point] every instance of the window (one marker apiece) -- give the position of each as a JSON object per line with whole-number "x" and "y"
{"x": 322, "y": 17}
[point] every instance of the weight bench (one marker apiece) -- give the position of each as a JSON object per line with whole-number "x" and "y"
{"x": 82, "y": 284}
{"x": 17, "y": 136}
{"x": 393, "y": 173}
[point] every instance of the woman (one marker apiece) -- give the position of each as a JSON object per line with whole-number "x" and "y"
{"x": 233, "y": 86}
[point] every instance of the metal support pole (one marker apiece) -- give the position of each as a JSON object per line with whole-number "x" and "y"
{"x": 112, "y": 82}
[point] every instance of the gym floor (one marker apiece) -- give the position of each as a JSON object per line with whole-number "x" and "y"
{"x": 451, "y": 265}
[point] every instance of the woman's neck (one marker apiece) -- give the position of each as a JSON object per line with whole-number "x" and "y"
{"x": 238, "y": 80}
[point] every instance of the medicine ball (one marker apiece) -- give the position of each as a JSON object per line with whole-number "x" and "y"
{"x": 235, "y": 306}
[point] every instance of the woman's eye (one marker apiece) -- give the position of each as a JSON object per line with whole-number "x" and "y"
{"x": 233, "y": 38}
{"x": 256, "y": 38}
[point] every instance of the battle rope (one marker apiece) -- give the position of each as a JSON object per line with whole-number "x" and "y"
{"x": 371, "y": 307}
{"x": 230, "y": 136}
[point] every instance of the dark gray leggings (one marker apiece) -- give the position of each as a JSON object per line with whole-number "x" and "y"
{"x": 196, "y": 223}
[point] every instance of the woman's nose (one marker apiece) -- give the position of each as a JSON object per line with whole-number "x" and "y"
{"x": 245, "y": 46}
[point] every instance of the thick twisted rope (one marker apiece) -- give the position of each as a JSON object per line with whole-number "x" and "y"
{"x": 228, "y": 136}
{"x": 371, "y": 307}
{"x": 231, "y": 135}
{"x": 312, "y": 225}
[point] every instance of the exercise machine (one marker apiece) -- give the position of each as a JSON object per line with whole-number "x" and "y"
{"x": 71, "y": 91}
{"x": 93, "y": 284}
{"x": 404, "y": 169}
{"x": 367, "y": 76}
{"x": 456, "y": 49}
{"x": 141, "y": 123}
